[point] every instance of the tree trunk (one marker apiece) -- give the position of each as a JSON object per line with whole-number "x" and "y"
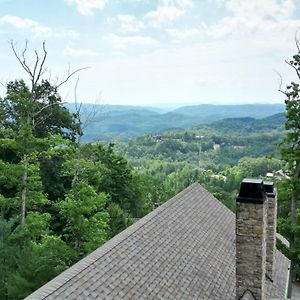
{"x": 293, "y": 208}
{"x": 78, "y": 245}
{"x": 24, "y": 192}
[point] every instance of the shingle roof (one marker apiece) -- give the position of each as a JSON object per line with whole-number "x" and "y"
{"x": 185, "y": 249}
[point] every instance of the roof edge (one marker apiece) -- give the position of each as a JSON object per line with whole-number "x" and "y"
{"x": 288, "y": 282}
{"x": 50, "y": 287}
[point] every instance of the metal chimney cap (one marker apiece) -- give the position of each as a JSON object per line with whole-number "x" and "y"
{"x": 251, "y": 191}
{"x": 269, "y": 189}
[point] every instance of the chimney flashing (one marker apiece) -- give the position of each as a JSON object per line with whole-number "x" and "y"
{"x": 251, "y": 191}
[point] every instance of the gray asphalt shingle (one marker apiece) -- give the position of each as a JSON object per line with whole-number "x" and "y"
{"x": 185, "y": 249}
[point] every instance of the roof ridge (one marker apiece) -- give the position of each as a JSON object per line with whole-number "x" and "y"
{"x": 49, "y": 288}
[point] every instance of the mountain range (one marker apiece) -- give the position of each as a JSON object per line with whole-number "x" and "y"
{"x": 118, "y": 122}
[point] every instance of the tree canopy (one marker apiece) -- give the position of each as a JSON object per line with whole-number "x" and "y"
{"x": 59, "y": 199}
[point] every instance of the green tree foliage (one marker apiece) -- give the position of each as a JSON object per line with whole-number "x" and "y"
{"x": 290, "y": 152}
{"x": 255, "y": 167}
{"x": 37, "y": 263}
{"x": 30, "y": 255}
{"x": 124, "y": 187}
{"x": 40, "y": 107}
{"x": 59, "y": 200}
{"x": 217, "y": 158}
{"x": 118, "y": 219}
{"x": 7, "y": 250}
{"x": 86, "y": 218}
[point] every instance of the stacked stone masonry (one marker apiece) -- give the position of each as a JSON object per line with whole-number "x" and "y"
{"x": 271, "y": 234}
{"x": 251, "y": 222}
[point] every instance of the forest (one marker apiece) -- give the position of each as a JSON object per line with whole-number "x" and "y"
{"x": 217, "y": 155}
{"x": 61, "y": 198}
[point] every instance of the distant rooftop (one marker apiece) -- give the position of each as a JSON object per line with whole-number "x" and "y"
{"x": 184, "y": 249}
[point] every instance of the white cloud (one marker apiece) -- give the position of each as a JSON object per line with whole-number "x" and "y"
{"x": 261, "y": 9}
{"x": 190, "y": 73}
{"x": 182, "y": 34}
{"x": 118, "y": 53}
{"x": 178, "y": 3}
{"x": 129, "y": 23}
{"x": 262, "y": 19}
{"x": 19, "y": 22}
{"x": 134, "y": 1}
{"x": 217, "y": 3}
{"x": 242, "y": 48}
{"x": 121, "y": 42}
{"x": 69, "y": 51}
{"x": 87, "y": 7}
{"x": 168, "y": 11}
{"x": 36, "y": 28}
{"x": 164, "y": 14}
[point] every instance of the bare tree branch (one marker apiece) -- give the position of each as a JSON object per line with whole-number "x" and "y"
{"x": 41, "y": 70}
{"x": 297, "y": 41}
{"x": 77, "y": 106}
{"x": 24, "y": 59}
{"x": 38, "y": 69}
{"x": 296, "y": 69}
{"x": 89, "y": 114}
{"x": 45, "y": 107}
{"x": 280, "y": 80}
{"x": 36, "y": 62}
{"x": 2, "y": 84}
{"x": 45, "y": 70}
{"x": 70, "y": 75}
{"x": 24, "y": 66}
{"x": 41, "y": 120}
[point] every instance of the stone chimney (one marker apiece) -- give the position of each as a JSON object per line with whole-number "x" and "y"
{"x": 251, "y": 222}
{"x": 271, "y": 227}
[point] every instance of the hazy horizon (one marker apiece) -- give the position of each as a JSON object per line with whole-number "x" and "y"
{"x": 179, "y": 103}
{"x": 173, "y": 106}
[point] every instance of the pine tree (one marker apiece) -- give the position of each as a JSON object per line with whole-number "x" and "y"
{"x": 290, "y": 152}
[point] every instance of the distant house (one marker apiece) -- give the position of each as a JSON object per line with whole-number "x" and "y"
{"x": 157, "y": 138}
{"x": 184, "y": 249}
{"x": 280, "y": 174}
{"x": 270, "y": 175}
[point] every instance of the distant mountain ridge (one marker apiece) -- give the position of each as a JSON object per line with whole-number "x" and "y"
{"x": 240, "y": 110}
{"x": 117, "y": 122}
{"x": 248, "y": 124}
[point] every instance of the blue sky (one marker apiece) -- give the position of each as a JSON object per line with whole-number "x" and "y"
{"x": 156, "y": 52}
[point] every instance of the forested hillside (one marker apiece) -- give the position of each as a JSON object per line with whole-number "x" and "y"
{"x": 117, "y": 122}
{"x": 217, "y": 155}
